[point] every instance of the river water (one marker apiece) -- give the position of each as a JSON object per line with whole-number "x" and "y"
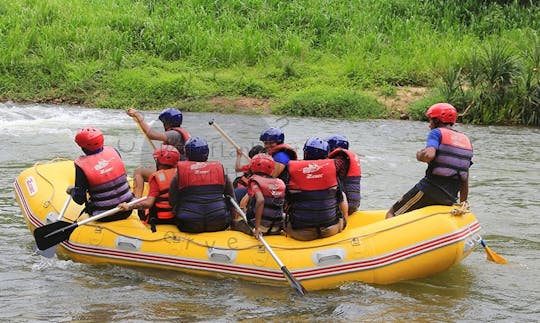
{"x": 503, "y": 194}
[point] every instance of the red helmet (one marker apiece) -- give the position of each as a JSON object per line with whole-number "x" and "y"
{"x": 262, "y": 163}
{"x": 445, "y": 112}
{"x": 89, "y": 138}
{"x": 167, "y": 155}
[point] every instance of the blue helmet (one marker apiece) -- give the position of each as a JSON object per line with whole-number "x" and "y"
{"x": 316, "y": 148}
{"x": 172, "y": 117}
{"x": 196, "y": 149}
{"x": 273, "y": 134}
{"x": 335, "y": 141}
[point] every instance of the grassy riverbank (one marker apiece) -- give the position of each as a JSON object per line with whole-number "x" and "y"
{"x": 345, "y": 59}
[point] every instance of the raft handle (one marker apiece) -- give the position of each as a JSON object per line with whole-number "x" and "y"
{"x": 128, "y": 244}
{"x": 221, "y": 255}
{"x": 329, "y": 256}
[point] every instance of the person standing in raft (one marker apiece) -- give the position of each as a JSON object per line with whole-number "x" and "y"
{"x": 173, "y": 135}
{"x": 198, "y": 191}
{"x": 448, "y": 154}
{"x": 265, "y": 198}
{"x": 100, "y": 173}
{"x": 273, "y": 139}
{"x": 157, "y": 201}
{"x": 317, "y": 207}
{"x": 349, "y": 169}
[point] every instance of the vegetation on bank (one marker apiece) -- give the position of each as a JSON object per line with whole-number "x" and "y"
{"x": 318, "y": 58}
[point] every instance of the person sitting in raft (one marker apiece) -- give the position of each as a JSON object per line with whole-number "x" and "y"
{"x": 157, "y": 201}
{"x": 265, "y": 197}
{"x": 317, "y": 207}
{"x": 273, "y": 139}
{"x": 101, "y": 174}
{"x": 349, "y": 169}
{"x": 240, "y": 183}
{"x": 173, "y": 135}
{"x": 197, "y": 192}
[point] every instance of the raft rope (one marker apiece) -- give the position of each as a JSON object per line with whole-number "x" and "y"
{"x": 48, "y": 202}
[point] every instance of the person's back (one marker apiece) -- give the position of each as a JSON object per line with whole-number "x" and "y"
{"x": 100, "y": 173}
{"x": 265, "y": 197}
{"x": 448, "y": 154}
{"x": 350, "y": 173}
{"x": 197, "y": 192}
{"x": 316, "y": 206}
{"x": 173, "y": 135}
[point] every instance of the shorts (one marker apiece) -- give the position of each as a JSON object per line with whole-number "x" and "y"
{"x": 416, "y": 199}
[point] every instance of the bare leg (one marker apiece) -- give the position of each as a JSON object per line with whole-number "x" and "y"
{"x": 140, "y": 176}
{"x": 390, "y": 213}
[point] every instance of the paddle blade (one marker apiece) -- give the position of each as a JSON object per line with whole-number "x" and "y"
{"x": 300, "y": 290}
{"x": 52, "y": 234}
{"x": 492, "y": 255}
{"x": 47, "y": 253}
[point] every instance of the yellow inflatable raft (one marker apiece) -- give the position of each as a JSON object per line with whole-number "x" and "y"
{"x": 371, "y": 250}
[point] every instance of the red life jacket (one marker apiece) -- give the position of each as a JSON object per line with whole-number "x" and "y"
{"x": 454, "y": 155}
{"x": 312, "y": 190}
{"x": 283, "y": 148}
{"x": 312, "y": 175}
{"x": 273, "y": 190}
{"x": 162, "y": 207}
{"x": 351, "y": 182}
{"x": 107, "y": 179}
{"x": 185, "y": 137}
{"x": 191, "y": 173}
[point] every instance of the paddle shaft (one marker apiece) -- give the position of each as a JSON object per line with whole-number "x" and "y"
{"x": 144, "y": 133}
{"x": 64, "y": 208}
{"x": 229, "y": 139}
{"x": 300, "y": 290}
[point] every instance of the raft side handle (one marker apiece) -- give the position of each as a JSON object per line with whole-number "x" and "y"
{"x": 51, "y": 217}
{"x": 471, "y": 242}
{"x": 128, "y": 244}
{"x": 329, "y": 256}
{"x": 222, "y": 255}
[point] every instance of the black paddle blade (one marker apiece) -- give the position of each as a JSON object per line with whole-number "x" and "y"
{"x": 53, "y": 233}
{"x": 300, "y": 290}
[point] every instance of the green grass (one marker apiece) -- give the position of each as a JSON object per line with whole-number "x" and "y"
{"x": 152, "y": 54}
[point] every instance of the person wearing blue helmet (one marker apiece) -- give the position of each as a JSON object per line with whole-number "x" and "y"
{"x": 349, "y": 169}
{"x": 273, "y": 139}
{"x": 198, "y": 191}
{"x": 173, "y": 135}
{"x": 316, "y": 205}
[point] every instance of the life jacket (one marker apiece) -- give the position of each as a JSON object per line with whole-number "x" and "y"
{"x": 312, "y": 194}
{"x": 201, "y": 204}
{"x": 273, "y": 190}
{"x": 454, "y": 156}
{"x": 185, "y": 137}
{"x": 162, "y": 209}
{"x": 290, "y": 151}
{"x": 242, "y": 180}
{"x": 107, "y": 180}
{"x": 351, "y": 182}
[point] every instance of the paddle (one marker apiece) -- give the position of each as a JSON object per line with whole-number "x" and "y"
{"x": 144, "y": 133}
{"x": 492, "y": 256}
{"x": 229, "y": 139}
{"x": 300, "y": 290}
{"x": 53, "y": 233}
{"x": 49, "y": 252}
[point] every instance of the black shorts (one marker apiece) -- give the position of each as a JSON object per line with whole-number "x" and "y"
{"x": 416, "y": 199}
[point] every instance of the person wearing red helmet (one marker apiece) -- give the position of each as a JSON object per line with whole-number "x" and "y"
{"x": 173, "y": 135}
{"x": 448, "y": 154}
{"x": 101, "y": 175}
{"x": 157, "y": 200}
{"x": 265, "y": 197}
